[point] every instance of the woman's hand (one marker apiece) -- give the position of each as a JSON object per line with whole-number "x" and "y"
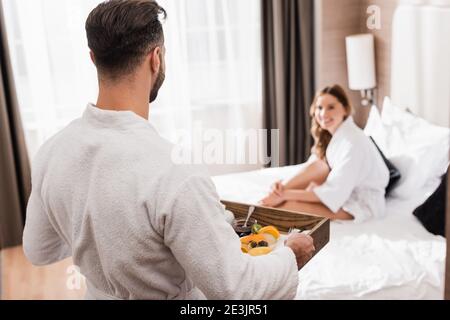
{"x": 278, "y": 188}
{"x": 273, "y": 200}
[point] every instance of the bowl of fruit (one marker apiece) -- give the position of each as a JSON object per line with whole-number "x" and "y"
{"x": 261, "y": 240}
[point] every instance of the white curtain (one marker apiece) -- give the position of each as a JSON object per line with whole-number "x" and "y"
{"x": 213, "y": 59}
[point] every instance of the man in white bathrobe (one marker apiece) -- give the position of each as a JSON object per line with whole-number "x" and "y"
{"x": 107, "y": 193}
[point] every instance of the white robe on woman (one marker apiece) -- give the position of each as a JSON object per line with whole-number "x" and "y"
{"x": 358, "y": 176}
{"x": 107, "y": 192}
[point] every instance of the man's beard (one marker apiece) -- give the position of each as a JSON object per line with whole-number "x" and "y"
{"x": 158, "y": 83}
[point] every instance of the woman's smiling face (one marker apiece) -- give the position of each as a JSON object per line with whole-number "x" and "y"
{"x": 330, "y": 113}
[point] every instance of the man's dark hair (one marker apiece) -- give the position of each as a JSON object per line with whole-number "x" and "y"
{"x": 121, "y": 33}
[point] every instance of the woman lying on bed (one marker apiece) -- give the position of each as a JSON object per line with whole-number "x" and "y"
{"x": 345, "y": 178}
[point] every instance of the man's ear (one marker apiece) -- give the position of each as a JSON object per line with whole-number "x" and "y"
{"x": 155, "y": 61}
{"x": 92, "y": 57}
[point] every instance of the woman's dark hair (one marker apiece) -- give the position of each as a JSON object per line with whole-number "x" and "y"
{"x": 121, "y": 33}
{"x": 321, "y": 136}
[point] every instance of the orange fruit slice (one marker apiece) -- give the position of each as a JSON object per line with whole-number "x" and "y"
{"x": 253, "y": 237}
{"x": 270, "y": 230}
{"x": 244, "y": 248}
{"x": 258, "y": 237}
{"x": 246, "y": 240}
{"x": 259, "y": 251}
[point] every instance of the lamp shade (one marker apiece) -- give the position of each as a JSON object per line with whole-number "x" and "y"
{"x": 361, "y": 62}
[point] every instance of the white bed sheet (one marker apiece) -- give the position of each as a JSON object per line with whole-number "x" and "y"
{"x": 391, "y": 258}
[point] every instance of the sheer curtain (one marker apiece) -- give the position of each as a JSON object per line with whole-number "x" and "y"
{"x": 213, "y": 59}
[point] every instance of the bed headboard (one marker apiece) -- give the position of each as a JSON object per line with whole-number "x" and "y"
{"x": 421, "y": 59}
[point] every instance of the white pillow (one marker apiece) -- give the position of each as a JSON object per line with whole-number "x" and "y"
{"x": 376, "y": 130}
{"x": 418, "y": 149}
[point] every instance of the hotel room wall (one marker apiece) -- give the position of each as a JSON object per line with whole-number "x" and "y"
{"x": 334, "y": 21}
{"x": 383, "y": 42}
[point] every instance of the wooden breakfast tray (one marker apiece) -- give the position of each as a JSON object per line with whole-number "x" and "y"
{"x": 318, "y": 227}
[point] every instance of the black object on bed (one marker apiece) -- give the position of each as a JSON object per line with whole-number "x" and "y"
{"x": 394, "y": 174}
{"x": 432, "y": 213}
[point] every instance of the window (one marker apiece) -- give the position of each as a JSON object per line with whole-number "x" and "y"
{"x": 213, "y": 63}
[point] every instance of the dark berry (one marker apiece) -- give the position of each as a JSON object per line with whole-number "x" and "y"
{"x": 263, "y": 244}
{"x": 253, "y": 244}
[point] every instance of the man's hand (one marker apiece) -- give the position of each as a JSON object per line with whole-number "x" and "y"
{"x": 303, "y": 247}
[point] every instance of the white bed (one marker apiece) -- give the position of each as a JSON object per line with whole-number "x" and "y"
{"x": 391, "y": 258}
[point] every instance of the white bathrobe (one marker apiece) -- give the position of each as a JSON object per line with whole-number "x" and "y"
{"x": 358, "y": 176}
{"x": 105, "y": 191}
